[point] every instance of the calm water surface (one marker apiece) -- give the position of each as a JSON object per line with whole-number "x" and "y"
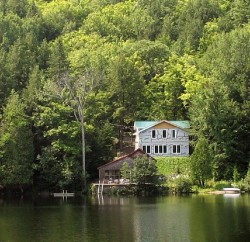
{"x": 113, "y": 219}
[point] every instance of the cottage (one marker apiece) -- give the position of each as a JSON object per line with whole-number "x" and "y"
{"x": 162, "y": 138}
{"x": 111, "y": 172}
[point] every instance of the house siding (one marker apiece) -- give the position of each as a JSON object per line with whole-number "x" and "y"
{"x": 117, "y": 164}
{"x": 113, "y": 166}
{"x": 175, "y": 146}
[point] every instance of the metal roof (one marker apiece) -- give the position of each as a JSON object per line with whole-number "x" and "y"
{"x": 147, "y": 124}
{"x": 144, "y": 124}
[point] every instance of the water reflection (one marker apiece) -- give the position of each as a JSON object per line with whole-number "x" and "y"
{"x": 220, "y": 218}
{"x": 128, "y": 219}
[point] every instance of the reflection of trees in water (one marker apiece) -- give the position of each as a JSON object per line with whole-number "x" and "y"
{"x": 220, "y": 218}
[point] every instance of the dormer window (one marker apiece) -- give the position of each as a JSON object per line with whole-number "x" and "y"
{"x": 173, "y": 133}
{"x": 153, "y": 134}
{"x": 164, "y": 133}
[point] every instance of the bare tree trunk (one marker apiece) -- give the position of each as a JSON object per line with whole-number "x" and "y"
{"x": 21, "y": 189}
{"x": 83, "y": 156}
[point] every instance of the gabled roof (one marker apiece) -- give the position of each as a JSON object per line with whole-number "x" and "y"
{"x": 144, "y": 125}
{"x": 125, "y": 156}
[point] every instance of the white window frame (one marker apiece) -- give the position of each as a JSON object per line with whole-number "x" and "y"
{"x": 176, "y": 148}
{"x": 159, "y": 149}
{"x": 153, "y": 132}
{"x": 174, "y": 133}
{"x": 146, "y": 149}
{"x": 164, "y": 131}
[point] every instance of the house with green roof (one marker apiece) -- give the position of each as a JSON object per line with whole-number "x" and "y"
{"x": 162, "y": 138}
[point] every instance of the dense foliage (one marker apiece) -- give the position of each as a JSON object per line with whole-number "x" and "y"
{"x": 173, "y": 166}
{"x": 134, "y": 60}
{"x": 143, "y": 171}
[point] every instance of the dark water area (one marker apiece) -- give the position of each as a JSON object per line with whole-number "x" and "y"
{"x": 141, "y": 219}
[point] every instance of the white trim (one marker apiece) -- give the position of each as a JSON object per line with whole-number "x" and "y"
{"x": 153, "y": 130}
{"x": 173, "y": 133}
{"x": 163, "y": 121}
{"x": 176, "y": 149}
{"x": 161, "y": 149}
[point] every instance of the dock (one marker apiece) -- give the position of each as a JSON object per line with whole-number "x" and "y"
{"x": 64, "y": 194}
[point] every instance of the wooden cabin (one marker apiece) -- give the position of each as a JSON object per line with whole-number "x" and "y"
{"x": 110, "y": 173}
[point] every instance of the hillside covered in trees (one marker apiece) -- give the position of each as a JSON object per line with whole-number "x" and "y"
{"x": 106, "y": 63}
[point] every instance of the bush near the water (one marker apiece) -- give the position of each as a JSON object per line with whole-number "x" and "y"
{"x": 180, "y": 184}
{"x": 143, "y": 171}
{"x": 176, "y": 170}
{"x": 246, "y": 181}
{"x": 218, "y": 185}
{"x": 171, "y": 166}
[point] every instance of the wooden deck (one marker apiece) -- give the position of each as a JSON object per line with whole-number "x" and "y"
{"x": 64, "y": 194}
{"x": 100, "y": 187}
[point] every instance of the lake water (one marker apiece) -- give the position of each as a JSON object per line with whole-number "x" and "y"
{"x": 127, "y": 219}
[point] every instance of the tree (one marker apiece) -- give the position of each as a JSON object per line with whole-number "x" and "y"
{"x": 213, "y": 116}
{"x": 31, "y": 92}
{"x": 58, "y": 63}
{"x": 58, "y": 150}
{"x": 75, "y": 92}
{"x": 201, "y": 162}
{"x": 185, "y": 25}
{"x": 220, "y": 110}
{"x": 18, "y": 7}
{"x": 164, "y": 92}
{"x": 124, "y": 20}
{"x": 16, "y": 144}
{"x": 143, "y": 170}
{"x": 158, "y": 10}
{"x": 127, "y": 89}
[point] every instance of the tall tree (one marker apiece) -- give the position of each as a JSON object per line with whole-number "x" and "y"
{"x": 127, "y": 89}
{"x": 58, "y": 63}
{"x": 226, "y": 99}
{"x": 75, "y": 92}
{"x": 201, "y": 162}
{"x": 58, "y": 154}
{"x": 16, "y": 144}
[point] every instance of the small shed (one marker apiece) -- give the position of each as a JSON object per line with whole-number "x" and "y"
{"x": 111, "y": 172}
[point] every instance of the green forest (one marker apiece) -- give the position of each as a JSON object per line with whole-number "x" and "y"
{"x": 92, "y": 67}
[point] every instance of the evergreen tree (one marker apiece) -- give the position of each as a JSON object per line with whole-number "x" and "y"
{"x": 16, "y": 144}
{"x": 201, "y": 162}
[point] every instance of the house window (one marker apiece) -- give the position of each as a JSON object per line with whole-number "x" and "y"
{"x": 153, "y": 134}
{"x": 173, "y": 133}
{"x": 160, "y": 149}
{"x": 176, "y": 149}
{"x": 164, "y": 133}
{"x": 112, "y": 174}
{"x": 146, "y": 148}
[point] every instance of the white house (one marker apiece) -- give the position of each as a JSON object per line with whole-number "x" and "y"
{"x": 162, "y": 138}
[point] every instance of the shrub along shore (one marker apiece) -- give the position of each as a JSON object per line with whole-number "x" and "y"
{"x": 174, "y": 176}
